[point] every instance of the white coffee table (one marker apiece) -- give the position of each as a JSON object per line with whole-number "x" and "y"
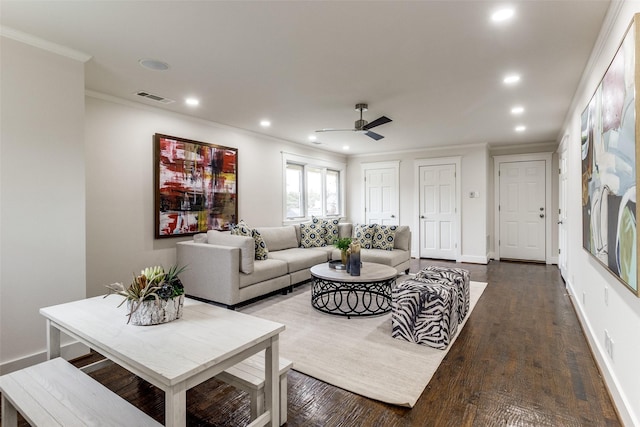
{"x": 339, "y": 293}
{"x": 174, "y": 356}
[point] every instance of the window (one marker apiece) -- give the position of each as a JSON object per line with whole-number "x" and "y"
{"x": 312, "y": 188}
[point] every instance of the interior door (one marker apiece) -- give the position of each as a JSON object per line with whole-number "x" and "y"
{"x": 562, "y": 217}
{"x": 522, "y": 210}
{"x": 382, "y": 198}
{"x": 438, "y": 211}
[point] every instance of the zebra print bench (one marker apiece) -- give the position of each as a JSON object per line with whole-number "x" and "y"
{"x": 425, "y": 312}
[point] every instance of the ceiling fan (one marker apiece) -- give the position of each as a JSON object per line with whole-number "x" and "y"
{"x": 362, "y": 126}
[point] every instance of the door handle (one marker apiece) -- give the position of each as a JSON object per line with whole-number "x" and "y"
{"x": 560, "y": 222}
{"x": 393, "y": 216}
{"x": 541, "y": 215}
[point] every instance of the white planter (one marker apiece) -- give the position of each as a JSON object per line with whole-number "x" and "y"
{"x": 153, "y": 312}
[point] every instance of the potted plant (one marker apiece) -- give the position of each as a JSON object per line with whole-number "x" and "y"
{"x": 155, "y": 296}
{"x": 343, "y": 245}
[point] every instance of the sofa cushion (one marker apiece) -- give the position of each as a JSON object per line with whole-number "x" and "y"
{"x": 200, "y": 238}
{"x": 384, "y": 237}
{"x": 278, "y": 238}
{"x": 311, "y": 235}
{"x": 299, "y": 258}
{"x": 390, "y": 258}
{"x": 403, "y": 237}
{"x": 345, "y": 229}
{"x": 363, "y": 234}
{"x": 242, "y": 229}
{"x": 245, "y": 243}
{"x": 264, "y": 270}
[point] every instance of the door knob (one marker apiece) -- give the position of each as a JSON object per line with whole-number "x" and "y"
{"x": 560, "y": 222}
{"x": 541, "y": 215}
{"x": 422, "y": 216}
{"x": 541, "y": 209}
{"x": 393, "y": 216}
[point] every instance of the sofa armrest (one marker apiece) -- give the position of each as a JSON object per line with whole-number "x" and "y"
{"x": 212, "y": 271}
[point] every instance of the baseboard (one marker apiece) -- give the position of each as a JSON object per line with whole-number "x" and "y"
{"x": 552, "y": 260}
{"x": 620, "y": 400}
{"x": 68, "y": 352}
{"x": 474, "y": 259}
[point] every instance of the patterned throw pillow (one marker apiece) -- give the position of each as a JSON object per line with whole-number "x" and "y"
{"x": 363, "y": 234}
{"x": 329, "y": 228}
{"x": 311, "y": 235}
{"x": 242, "y": 229}
{"x": 384, "y": 237}
{"x": 261, "y": 247}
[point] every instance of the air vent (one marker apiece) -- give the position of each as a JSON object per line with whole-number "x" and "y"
{"x": 156, "y": 98}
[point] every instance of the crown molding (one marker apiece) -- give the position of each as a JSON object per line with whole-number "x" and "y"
{"x": 32, "y": 40}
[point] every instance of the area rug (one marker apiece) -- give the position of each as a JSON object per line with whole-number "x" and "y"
{"x": 357, "y": 354}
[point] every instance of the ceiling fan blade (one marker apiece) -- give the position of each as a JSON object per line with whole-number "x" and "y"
{"x": 374, "y": 135}
{"x": 377, "y": 122}
{"x": 335, "y": 130}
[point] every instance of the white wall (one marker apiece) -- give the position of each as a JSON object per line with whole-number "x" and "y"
{"x": 120, "y": 204}
{"x": 42, "y": 195}
{"x": 474, "y": 178}
{"x": 587, "y": 279}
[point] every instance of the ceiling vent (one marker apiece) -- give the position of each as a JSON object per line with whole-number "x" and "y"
{"x": 156, "y": 98}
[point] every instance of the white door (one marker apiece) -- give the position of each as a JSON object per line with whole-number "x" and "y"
{"x": 562, "y": 217}
{"x": 437, "y": 211}
{"x": 522, "y": 210}
{"x": 382, "y": 199}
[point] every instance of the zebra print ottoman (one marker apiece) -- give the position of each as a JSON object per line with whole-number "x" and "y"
{"x": 424, "y": 312}
{"x": 458, "y": 276}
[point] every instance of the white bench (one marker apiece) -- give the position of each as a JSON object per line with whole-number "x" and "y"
{"x": 248, "y": 376}
{"x": 55, "y": 393}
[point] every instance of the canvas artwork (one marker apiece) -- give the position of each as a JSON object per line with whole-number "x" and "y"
{"x": 609, "y": 175}
{"x": 196, "y": 186}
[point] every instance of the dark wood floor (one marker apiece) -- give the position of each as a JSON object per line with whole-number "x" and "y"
{"x": 521, "y": 360}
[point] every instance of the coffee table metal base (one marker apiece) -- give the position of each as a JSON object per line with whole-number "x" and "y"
{"x": 352, "y": 298}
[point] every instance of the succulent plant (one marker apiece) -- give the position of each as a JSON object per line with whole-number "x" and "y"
{"x": 152, "y": 283}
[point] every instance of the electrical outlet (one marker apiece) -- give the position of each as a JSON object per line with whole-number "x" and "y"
{"x": 606, "y": 295}
{"x": 611, "y": 348}
{"x": 608, "y": 344}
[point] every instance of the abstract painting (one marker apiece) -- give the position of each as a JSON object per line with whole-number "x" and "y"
{"x": 195, "y": 186}
{"x": 609, "y": 174}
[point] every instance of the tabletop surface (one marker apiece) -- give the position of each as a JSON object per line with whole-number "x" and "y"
{"x": 369, "y": 272}
{"x": 204, "y": 336}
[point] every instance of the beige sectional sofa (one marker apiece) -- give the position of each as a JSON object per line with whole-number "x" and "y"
{"x": 221, "y": 267}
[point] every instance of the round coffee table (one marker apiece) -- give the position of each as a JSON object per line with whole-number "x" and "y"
{"x": 337, "y": 292}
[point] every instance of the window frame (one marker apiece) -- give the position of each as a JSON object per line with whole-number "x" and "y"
{"x": 311, "y": 163}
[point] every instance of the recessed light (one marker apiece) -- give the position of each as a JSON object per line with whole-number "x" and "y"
{"x": 511, "y": 79}
{"x": 502, "y": 15}
{"x": 154, "y": 64}
{"x": 192, "y": 102}
{"x": 517, "y": 110}
{"x": 312, "y": 137}
{"x": 520, "y": 128}
{"x": 345, "y": 147}
{"x": 265, "y": 123}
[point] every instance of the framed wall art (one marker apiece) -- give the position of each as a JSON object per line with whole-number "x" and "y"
{"x": 609, "y": 132}
{"x": 195, "y": 186}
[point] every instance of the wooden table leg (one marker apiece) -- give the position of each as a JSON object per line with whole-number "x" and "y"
{"x": 53, "y": 341}
{"x": 272, "y": 380}
{"x": 175, "y": 406}
{"x": 9, "y": 414}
